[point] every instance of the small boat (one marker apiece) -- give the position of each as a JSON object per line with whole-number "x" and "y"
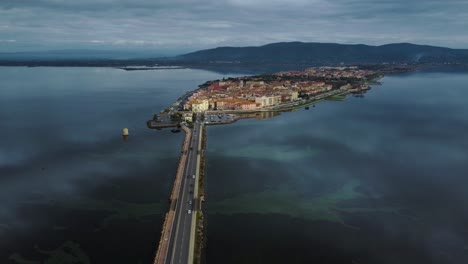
{"x": 306, "y": 108}
{"x": 175, "y": 130}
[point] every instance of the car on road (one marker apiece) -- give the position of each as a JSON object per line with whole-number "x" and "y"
{"x": 189, "y": 211}
{"x": 190, "y": 202}
{"x": 193, "y": 176}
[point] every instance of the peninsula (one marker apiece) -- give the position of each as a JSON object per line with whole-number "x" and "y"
{"x": 280, "y": 91}
{"x": 223, "y": 102}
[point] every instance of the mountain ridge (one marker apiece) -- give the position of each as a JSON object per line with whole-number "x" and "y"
{"x": 279, "y": 53}
{"x": 329, "y": 53}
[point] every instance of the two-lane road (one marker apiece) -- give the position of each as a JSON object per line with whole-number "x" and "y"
{"x": 179, "y": 246}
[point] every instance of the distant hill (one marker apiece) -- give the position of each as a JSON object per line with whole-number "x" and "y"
{"x": 77, "y": 54}
{"x": 329, "y": 53}
{"x": 283, "y": 54}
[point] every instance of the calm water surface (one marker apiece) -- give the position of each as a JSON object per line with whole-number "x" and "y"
{"x": 71, "y": 191}
{"x": 380, "y": 179}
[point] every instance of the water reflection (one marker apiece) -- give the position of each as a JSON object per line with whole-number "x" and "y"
{"x": 70, "y": 187}
{"x": 378, "y": 179}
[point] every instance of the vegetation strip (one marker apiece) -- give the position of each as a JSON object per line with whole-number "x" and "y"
{"x": 199, "y": 235}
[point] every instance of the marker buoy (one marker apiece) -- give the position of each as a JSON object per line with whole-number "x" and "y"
{"x": 125, "y": 134}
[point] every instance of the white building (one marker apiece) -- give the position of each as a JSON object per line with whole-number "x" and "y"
{"x": 268, "y": 100}
{"x": 294, "y": 95}
{"x": 199, "y": 106}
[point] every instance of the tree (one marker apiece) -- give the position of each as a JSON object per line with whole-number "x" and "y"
{"x": 176, "y": 117}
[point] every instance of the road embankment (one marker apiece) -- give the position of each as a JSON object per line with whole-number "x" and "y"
{"x": 169, "y": 219}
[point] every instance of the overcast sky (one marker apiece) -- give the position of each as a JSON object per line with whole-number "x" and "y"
{"x": 186, "y": 25}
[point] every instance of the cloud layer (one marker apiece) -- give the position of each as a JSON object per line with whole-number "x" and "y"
{"x": 189, "y": 25}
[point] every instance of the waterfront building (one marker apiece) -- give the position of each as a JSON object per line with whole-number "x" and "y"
{"x": 294, "y": 95}
{"x": 199, "y": 106}
{"x": 228, "y": 104}
{"x": 265, "y": 101}
{"x": 248, "y": 105}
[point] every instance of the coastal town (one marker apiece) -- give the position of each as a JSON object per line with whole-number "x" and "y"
{"x": 270, "y": 91}
{"x": 273, "y": 92}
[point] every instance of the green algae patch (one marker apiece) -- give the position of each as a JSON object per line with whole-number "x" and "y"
{"x": 17, "y": 258}
{"x": 118, "y": 210}
{"x": 275, "y": 153}
{"x": 68, "y": 253}
{"x": 283, "y": 200}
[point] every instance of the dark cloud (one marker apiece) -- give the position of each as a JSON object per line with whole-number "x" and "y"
{"x": 190, "y": 25}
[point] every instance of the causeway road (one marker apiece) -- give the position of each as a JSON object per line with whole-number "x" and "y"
{"x": 185, "y": 210}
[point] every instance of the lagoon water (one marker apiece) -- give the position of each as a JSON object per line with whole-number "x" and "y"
{"x": 379, "y": 179}
{"x": 71, "y": 190}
